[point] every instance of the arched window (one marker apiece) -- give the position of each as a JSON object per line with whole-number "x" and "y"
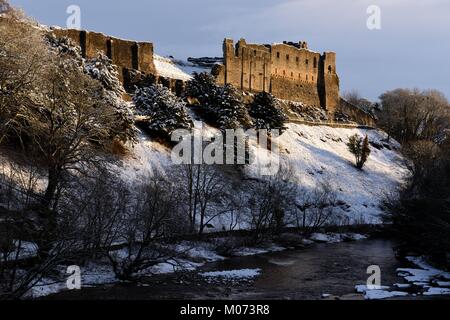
{"x": 330, "y": 69}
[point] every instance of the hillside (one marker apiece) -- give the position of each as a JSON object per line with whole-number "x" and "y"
{"x": 317, "y": 154}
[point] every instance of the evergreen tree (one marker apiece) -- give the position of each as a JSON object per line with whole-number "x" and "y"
{"x": 223, "y": 105}
{"x": 164, "y": 112}
{"x": 266, "y": 112}
{"x": 360, "y": 148}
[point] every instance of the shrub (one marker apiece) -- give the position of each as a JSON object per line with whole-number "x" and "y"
{"x": 360, "y": 148}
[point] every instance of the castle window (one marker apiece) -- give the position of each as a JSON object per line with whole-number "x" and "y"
{"x": 330, "y": 69}
{"x": 254, "y": 52}
{"x": 299, "y": 76}
{"x": 284, "y": 72}
{"x": 276, "y": 70}
{"x": 312, "y": 78}
{"x": 278, "y": 55}
{"x": 292, "y": 74}
{"x": 306, "y": 61}
{"x": 315, "y": 62}
{"x": 306, "y": 77}
{"x": 287, "y": 57}
{"x": 297, "y": 59}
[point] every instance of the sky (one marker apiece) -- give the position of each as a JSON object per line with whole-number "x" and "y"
{"x": 412, "y": 48}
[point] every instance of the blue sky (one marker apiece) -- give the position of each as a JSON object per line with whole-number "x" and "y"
{"x": 412, "y": 49}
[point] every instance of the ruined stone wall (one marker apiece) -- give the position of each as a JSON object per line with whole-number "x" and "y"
{"x": 246, "y": 67}
{"x": 123, "y": 53}
{"x": 357, "y": 115}
{"x": 289, "y": 71}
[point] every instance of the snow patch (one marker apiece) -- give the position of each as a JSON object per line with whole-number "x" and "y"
{"x": 233, "y": 274}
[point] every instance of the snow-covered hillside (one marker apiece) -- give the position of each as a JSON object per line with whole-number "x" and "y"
{"x": 317, "y": 154}
{"x": 176, "y": 69}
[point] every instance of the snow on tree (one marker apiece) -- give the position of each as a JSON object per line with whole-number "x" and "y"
{"x": 163, "y": 111}
{"x": 266, "y": 112}
{"x": 223, "y": 105}
{"x": 103, "y": 70}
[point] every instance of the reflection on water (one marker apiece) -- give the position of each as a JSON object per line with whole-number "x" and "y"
{"x": 323, "y": 268}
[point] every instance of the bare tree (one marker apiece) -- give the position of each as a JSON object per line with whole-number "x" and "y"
{"x": 270, "y": 201}
{"x": 150, "y": 218}
{"x": 204, "y": 193}
{"x": 316, "y": 208}
{"x": 410, "y": 115}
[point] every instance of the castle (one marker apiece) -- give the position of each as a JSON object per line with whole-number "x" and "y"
{"x": 288, "y": 70}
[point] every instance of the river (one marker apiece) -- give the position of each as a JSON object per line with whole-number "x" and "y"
{"x": 308, "y": 273}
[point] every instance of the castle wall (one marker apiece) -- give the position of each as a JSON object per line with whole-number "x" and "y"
{"x": 123, "y": 53}
{"x": 288, "y": 71}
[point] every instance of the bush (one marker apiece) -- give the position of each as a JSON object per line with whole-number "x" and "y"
{"x": 360, "y": 148}
{"x": 163, "y": 112}
{"x": 266, "y": 112}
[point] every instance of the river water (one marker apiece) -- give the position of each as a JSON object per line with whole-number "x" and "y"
{"x": 309, "y": 273}
{"x": 321, "y": 269}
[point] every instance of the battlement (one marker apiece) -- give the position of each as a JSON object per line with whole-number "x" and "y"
{"x": 288, "y": 70}
{"x": 123, "y": 53}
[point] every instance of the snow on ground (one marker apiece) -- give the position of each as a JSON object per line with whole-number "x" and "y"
{"x": 378, "y": 292}
{"x": 233, "y": 274}
{"x": 336, "y": 237}
{"x": 437, "y": 292}
{"x": 171, "y": 266}
{"x": 424, "y": 274}
{"x": 432, "y": 280}
{"x": 382, "y": 294}
{"x": 245, "y": 251}
{"x": 198, "y": 250}
{"x": 319, "y": 154}
{"x": 167, "y": 68}
{"x": 21, "y": 250}
{"x": 91, "y": 275}
{"x": 146, "y": 158}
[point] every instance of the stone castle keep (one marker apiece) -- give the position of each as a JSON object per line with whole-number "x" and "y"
{"x": 289, "y": 71}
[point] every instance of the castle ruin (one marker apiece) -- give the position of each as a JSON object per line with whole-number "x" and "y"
{"x": 125, "y": 54}
{"x": 289, "y": 71}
